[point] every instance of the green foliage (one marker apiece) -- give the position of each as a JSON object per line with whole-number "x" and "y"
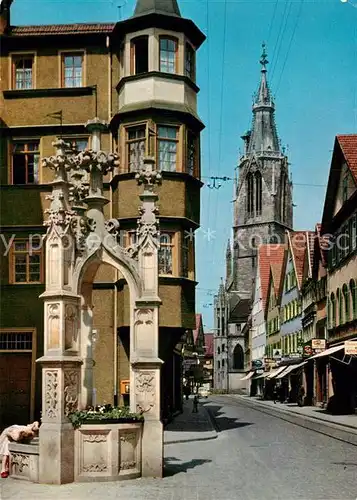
{"x": 104, "y": 412}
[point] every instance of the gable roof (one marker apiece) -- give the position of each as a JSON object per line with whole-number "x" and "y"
{"x": 267, "y": 255}
{"x": 348, "y": 145}
{"x": 344, "y": 151}
{"x": 208, "y": 344}
{"x": 62, "y": 29}
{"x": 298, "y": 241}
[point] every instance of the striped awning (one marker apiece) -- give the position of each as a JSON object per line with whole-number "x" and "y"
{"x": 248, "y": 376}
{"x": 275, "y": 372}
{"x": 290, "y": 368}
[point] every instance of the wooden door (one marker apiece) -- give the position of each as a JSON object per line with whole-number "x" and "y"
{"x": 15, "y": 388}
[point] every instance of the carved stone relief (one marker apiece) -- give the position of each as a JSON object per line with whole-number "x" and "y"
{"x": 71, "y": 326}
{"x": 51, "y": 394}
{"x": 20, "y": 462}
{"x": 53, "y": 314}
{"x": 71, "y": 389}
{"x": 94, "y": 468}
{"x": 145, "y": 390}
{"x": 128, "y": 450}
{"x": 143, "y": 331}
{"x": 95, "y": 438}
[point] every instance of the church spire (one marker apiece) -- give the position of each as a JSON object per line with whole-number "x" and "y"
{"x": 165, "y": 7}
{"x": 264, "y": 137}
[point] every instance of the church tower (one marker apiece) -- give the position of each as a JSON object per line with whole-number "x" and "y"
{"x": 263, "y": 205}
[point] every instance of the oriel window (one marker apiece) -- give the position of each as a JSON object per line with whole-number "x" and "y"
{"x": 167, "y": 148}
{"x": 72, "y": 69}
{"x": 168, "y": 55}
{"x": 136, "y": 147}
{"x": 190, "y": 62}
{"x": 23, "y": 72}
{"x": 25, "y": 162}
{"x": 25, "y": 263}
{"x": 165, "y": 254}
{"x": 191, "y": 153}
{"x": 139, "y": 55}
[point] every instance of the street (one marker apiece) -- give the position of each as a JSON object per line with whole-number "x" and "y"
{"x": 255, "y": 456}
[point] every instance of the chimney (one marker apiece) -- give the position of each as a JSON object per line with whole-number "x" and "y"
{"x": 5, "y": 16}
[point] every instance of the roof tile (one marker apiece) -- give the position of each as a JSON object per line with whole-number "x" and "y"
{"x": 268, "y": 255}
{"x": 62, "y": 29}
{"x": 348, "y": 144}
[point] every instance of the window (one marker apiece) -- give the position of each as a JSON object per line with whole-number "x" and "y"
{"x": 25, "y": 162}
{"x": 339, "y": 305}
{"x": 353, "y": 232}
{"x": 167, "y": 148}
{"x": 333, "y": 310}
{"x": 190, "y": 62}
{"x": 222, "y": 363}
{"x": 168, "y": 55}
{"x": 353, "y": 288}
{"x": 346, "y": 300}
{"x": 165, "y": 254}
{"x": 136, "y": 137}
{"x": 25, "y": 263}
{"x": 218, "y": 350}
{"x": 238, "y": 358}
{"x": 191, "y": 153}
{"x": 22, "y": 68}
{"x": 250, "y": 194}
{"x": 140, "y": 55}
{"x": 76, "y": 143}
{"x": 223, "y": 347}
{"x": 72, "y": 69}
{"x": 218, "y": 365}
{"x": 258, "y": 193}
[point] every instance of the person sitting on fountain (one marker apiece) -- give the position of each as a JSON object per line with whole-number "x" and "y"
{"x": 18, "y": 433}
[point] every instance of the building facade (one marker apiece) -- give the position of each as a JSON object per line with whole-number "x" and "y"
{"x": 138, "y": 77}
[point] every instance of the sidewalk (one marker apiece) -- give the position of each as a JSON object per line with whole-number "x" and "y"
{"x": 188, "y": 426}
{"x": 342, "y": 427}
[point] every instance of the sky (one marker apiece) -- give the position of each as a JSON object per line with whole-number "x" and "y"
{"x": 312, "y": 49}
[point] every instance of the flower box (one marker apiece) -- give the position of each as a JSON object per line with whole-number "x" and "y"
{"x": 108, "y": 450}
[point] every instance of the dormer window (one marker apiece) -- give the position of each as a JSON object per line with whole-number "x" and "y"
{"x": 168, "y": 55}
{"x": 140, "y": 55}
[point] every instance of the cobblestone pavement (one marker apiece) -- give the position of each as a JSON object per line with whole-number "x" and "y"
{"x": 256, "y": 456}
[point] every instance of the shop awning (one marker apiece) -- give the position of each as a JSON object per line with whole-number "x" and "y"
{"x": 328, "y": 352}
{"x": 276, "y": 372}
{"x": 248, "y": 376}
{"x": 263, "y": 375}
{"x": 290, "y": 369}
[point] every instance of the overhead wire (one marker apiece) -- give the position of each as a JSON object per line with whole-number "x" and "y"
{"x": 290, "y": 44}
{"x": 281, "y": 40}
{"x": 220, "y": 132}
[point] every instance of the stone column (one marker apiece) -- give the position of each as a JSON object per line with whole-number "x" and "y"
{"x": 144, "y": 336}
{"x": 60, "y": 363}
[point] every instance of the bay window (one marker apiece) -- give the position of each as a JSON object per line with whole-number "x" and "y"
{"x": 168, "y": 54}
{"x": 135, "y": 147}
{"x": 165, "y": 254}
{"x": 167, "y": 137}
{"x": 190, "y": 62}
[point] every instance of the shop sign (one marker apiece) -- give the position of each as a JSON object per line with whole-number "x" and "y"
{"x": 257, "y": 363}
{"x": 319, "y": 344}
{"x": 308, "y": 350}
{"x": 351, "y": 347}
